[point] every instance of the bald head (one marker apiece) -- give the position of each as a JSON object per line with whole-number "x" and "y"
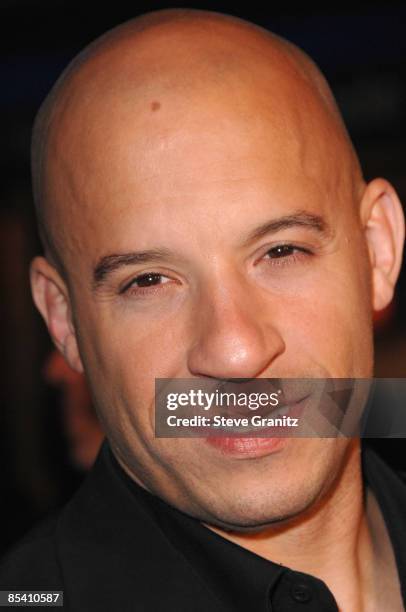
{"x": 200, "y": 195}
{"x": 186, "y": 59}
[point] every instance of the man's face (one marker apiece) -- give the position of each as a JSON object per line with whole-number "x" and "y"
{"x": 191, "y": 183}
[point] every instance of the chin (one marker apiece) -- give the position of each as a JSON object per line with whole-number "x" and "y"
{"x": 253, "y": 512}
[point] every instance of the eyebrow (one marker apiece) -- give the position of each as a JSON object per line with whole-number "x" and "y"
{"x": 300, "y": 218}
{"x": 110, "y": 263}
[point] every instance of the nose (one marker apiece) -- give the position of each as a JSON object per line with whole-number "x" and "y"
{"x": 234, "y": 334}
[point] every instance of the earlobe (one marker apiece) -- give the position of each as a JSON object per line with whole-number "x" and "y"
{"x": 384, "y": 225}
{"x": 51, "y": 298}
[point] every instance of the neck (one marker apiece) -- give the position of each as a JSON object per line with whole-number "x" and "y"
{"x": 334, "y": 541}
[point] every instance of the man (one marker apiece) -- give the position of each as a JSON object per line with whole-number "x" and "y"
{"x": 204, "y": 216}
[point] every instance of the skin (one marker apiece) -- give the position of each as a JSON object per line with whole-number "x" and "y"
{"x": 189, "y": 156}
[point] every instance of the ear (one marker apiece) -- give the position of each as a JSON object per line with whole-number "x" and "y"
{"x": 384, "y": 225}
{"x": 51, "y": 297}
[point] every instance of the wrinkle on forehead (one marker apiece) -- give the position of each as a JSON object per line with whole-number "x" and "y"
{"x": 188, "y": 58}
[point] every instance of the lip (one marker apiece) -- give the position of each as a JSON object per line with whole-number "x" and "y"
{"x": 245, "y": 448}
{"x": 265, "y": 443}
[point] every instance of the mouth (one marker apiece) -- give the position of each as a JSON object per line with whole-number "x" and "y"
{"x": 264, "y": 434}
{"x": 254, "y": 416}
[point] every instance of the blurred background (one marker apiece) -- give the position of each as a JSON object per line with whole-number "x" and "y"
{"x": 48, "y": 433}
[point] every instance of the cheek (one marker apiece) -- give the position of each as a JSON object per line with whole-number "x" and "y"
{"x": 333, "y": 328}
{"x": 123, "y": 339}
{"x": 123, "y": 356}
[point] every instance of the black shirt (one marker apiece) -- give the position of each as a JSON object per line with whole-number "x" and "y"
{"x": 116, "y": 547}
{"x": 242, "y": 580}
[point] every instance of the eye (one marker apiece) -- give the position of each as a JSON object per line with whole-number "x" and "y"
{"x": 286, "y": 253}
{"x": 143, "y": 282}
{"x": 282, "y": 250}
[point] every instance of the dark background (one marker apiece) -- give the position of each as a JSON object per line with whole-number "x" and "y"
{"x": 362, "y": 52}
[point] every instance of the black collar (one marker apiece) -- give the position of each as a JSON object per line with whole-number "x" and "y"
{"x": 115, "y": 533}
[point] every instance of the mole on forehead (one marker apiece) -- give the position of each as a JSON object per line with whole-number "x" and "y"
{"x": 155, "y": 105}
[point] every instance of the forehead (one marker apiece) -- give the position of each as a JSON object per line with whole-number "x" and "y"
{"x": 127, "y": 149}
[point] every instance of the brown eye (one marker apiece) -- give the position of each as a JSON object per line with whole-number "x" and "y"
{"x": 286, "y": 254}
{"x": 147, "y": 280}
{"x": 282, "y": 250}
{"x": 144, "y": 282}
